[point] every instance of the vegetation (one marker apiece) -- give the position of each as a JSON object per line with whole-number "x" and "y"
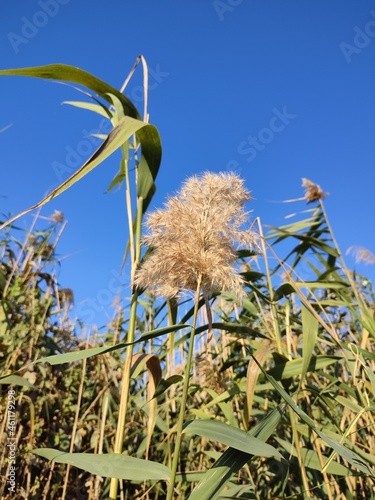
{"x": 257, "y": 383}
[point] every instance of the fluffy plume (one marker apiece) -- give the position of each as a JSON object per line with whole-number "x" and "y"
{"x": 362, "y": 255}
{"x": 195, "y": 237}
{"x": 313, "y": 191}
{"x": 57, "y": 216}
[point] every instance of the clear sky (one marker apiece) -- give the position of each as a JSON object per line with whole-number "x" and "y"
{"x": 274, "y": 90}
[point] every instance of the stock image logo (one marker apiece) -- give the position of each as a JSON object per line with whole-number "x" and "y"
{"x": 30, "y": 26}
{"x": 362, "y": 38}
{"x": 255, "y": 144}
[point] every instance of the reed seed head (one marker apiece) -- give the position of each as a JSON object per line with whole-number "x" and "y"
{"x": 313, "y": 192}
{"x": 57, "y": 216}
{"x": 362, "y": 255}
{"x": 195, "y": 237}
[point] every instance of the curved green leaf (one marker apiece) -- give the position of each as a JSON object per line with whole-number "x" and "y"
{"x": 310, "y": 334}
{"x": 15, "y": 380}
{"x": 231, "y": 436}
{"x": 70, "y": 357}
{"x": 312, "y": 460}
{"x": 164, "y": 385}
{"x": 95, "y": 108}
{"x": 147, "y": 134}
{"x": 350, "y": 456}
{"x": 232, "y": 460}
{"x": 109, "y": 464}
{"x": 67, "y": 73}
{"x": 293, "y": 368}
{"x": 120, "y": 134}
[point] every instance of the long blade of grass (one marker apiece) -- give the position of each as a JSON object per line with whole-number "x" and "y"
{"x": 311, "y": 460}
{"x": 230, "y": 436}
{"x": 120, "y": 134}
{"x": 69, "y": 357}
{"x": 233, "y": 460}
{"x": 294, "y": 368}
{"x": 71, "y": 74}
{"x": 310, "y": 334}
{"x": 109, "y": 464}
{"x": 15, "y": 380}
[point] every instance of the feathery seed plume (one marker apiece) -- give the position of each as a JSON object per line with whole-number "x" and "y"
{"x": 362, "y": 254}
{"x": 195, "y": 237}
{"x": 313, "y": 191}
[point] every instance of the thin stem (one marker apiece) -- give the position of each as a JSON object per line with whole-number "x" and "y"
{"x": 170, "y": 365}
{"x": 75, "y": 424}
{"x": 304, "y": 478}
{"x": 181, "y": 417}
{"x": 125, "y": 385}
{"x": 270, "y": 288}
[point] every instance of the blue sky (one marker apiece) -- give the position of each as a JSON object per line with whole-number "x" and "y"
{"x": 275, "y": 90}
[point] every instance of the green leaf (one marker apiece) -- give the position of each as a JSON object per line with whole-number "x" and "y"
{"x": 109, "y": 464}
{"x": 235, "y": 389}
{"x": 120, "y": 134}
{"x": 147, "y": 135}
{"x": 231, "y": 436}
{"x": 15, "y": 380}
{"x": 232, "y": 460}
{"x": 231, "y": 327}
{"x": 294, "y": 368}
{"x": 307, "y": 242}
{"x": 288, "y": 288}
{"x": 164, "y": 385}
{"x": 311, "y": 460}
{"x": 69, "y": 357}
{"x": 283, "y": 291}
{"x": 310, "y": 334}
{"x": 329, "y": 285}
{"x": 352, "y": 457}
{"x": 72, "y": 74}
{"x": 95, "y": 108}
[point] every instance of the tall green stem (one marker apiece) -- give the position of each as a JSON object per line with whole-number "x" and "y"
{"x": 135, "y": 250}
{"x": 180, "y": 423}
{"x": 125, "y": 385}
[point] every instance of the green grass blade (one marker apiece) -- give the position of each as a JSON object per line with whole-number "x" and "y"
{"x": 15, "y": 380}
{"x": 231, "y": 436}
{"x": 95, "y": 108}
{"x": 311, "y": 460}
{"x": 310, "y": 334}
{"x": 71, "y": 74}
{"x": 294, "y": 368}
{"x": 120, "y": 134}
{"x": 70, "y": 357}
{"x": 109, "y": 464}
{"x": 352, "y": 457}
{"x": 147, "y": 135}
{"x": 233, "y": 460}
